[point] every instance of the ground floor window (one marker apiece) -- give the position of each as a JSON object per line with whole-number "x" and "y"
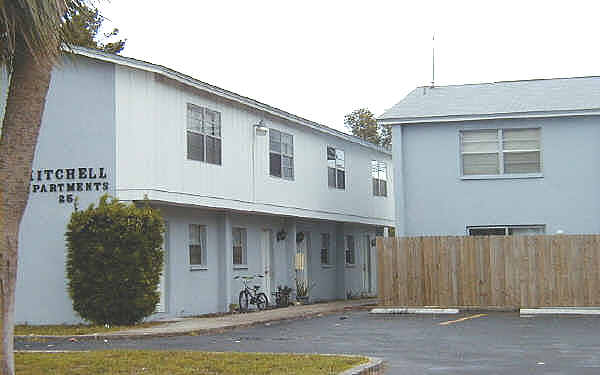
{"x": 506, "y": 230}
{"x": 197, "y": 245}
{"x": 350, "y": 253}
{"x": 239, "y": 247}
{"x": 325, "y": 249}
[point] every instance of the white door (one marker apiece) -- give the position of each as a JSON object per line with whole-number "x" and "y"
{"x": 161, "y": 306}
{"x": 266, "y": 252}
{"x": 366, "y": 263}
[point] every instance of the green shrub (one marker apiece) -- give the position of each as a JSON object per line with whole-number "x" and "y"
{"x": 114, "y": 261}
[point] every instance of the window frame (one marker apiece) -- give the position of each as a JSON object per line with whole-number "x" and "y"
{"x": 373, "y": 179}
{"x": 282, "y": 155}
{"x": 244, "y": 245}
{"x": 203, "y": 250}
{"x": 507, "y": 228}
{"x": 347, "y": 250}
{"x": 500, "y": 151}
{"x": 345, "y": 169}
{"x": 204, "y": 134}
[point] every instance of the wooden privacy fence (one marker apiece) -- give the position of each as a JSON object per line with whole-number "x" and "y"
{"x": 495, "y": 271}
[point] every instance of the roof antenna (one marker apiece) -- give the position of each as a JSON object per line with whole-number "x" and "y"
{"x": 433, "y": 63}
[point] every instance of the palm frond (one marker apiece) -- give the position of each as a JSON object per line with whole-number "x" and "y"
{"x": 34, "y": 24}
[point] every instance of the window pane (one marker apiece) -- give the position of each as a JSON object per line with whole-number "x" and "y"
{"x": 383, "y": 188}
{"x": 324, "y": 256}
{"x": 480, "y": 141}
{"x": 480, "y": 164}
{"x": 288, "y": 167}
{"x": 350, "y": 249}
{"x": 375, "y": 187}
{"x": 331, "y": 153}
{"x": 341, "y": 179}
{"x": 331, "y": 177}
{"x": 197, "y": 241}
{"x": 382, "y": 171}
{"x": 213, "y": 150}
{"x": 525, "y": 231}
{"x": 374, "y": 169}
{"x": 521, "y": 139}
{"x": 195, "y": 146}
{"x": 287, "y": 144}
{"x": 195, "y": 254}
{"x": 339, "y": 158}
{"x": 487, "y": 231}
{"x": 274, "y": 140}
{"x": 212, "y": 122}
{"x": 522, "y": 162}
{"x": 194, "y": 118}
{"x": 275, "y": 164}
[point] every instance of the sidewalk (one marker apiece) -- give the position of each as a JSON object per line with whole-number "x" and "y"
{"x": 220, "y": 324}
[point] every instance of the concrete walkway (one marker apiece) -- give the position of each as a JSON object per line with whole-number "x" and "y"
{"x": 206, "y": 325}
{"x": 228, "y": 322}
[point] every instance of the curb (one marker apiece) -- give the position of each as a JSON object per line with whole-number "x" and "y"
{"x": 410, "y": 310}
{"x": 203, "y": 331}
{"x": 375, "y": 366}
{"x": 561, "y": 311}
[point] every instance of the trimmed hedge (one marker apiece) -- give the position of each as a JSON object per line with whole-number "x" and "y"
{"x": 114, "y": 261}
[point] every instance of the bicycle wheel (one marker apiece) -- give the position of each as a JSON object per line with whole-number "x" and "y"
{"x": 262, "y": 301}
{"x": 244, "y": 300}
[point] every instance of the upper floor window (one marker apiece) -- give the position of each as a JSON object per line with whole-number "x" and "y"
{"x": 501, "y": 151}
{"x": 336, "y": 168}
{"x": 203, "y": 134}
{"x": 379, "y": 176}
{"x": 281, "y": 154}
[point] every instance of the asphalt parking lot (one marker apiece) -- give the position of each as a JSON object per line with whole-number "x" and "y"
{"x": 492, "y": 343}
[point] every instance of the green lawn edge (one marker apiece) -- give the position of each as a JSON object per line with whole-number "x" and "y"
{"x": 74, "y": 330}
{"x": 149, "y": 362}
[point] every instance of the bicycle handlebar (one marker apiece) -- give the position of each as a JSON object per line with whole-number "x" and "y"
{"x": 247, "y": 277}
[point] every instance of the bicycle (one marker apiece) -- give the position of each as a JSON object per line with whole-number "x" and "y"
{"x": 250, "y": 295}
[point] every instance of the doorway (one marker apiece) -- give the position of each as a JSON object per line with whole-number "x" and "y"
{"x": 367, "y": 266}
{"x": 266, "y": 248}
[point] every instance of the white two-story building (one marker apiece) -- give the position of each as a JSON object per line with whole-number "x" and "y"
{"x": 245, "y": 188}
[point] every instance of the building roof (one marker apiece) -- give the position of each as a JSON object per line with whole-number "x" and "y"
{"x": 507, "y": 99}
{"x": 190, "y": 81}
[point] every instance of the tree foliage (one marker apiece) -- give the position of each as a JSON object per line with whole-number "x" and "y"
{"x": 362, "y": 123}
{"x": 82, "y": 27}
{"x": 114, "y": 261}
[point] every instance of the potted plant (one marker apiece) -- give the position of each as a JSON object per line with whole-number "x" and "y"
{"x": 282, "y": 296}
{"x": 302, "y": 289}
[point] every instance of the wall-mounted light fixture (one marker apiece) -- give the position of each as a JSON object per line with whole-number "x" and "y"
{"x": 260, "y": 128}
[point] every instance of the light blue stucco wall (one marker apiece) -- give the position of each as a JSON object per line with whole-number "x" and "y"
{"x": 77, "y": 131}
{"x": 439, "y": 202}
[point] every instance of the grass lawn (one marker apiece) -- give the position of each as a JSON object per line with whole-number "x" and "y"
{"x": 132, "y": 362}
{"x": 72, "y": 330}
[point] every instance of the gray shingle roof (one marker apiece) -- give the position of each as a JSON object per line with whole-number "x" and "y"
{"x": 542, "y": 95}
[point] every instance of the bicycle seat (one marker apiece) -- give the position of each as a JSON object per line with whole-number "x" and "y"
{"x": 257, "y": 287}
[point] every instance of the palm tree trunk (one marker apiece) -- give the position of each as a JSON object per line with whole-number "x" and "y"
{"x": 29, "y": 83}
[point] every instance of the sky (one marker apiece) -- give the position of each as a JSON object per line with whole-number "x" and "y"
{"x": 323, "y": 59}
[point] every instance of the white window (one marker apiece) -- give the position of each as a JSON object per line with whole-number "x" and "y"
{"x": 203, "y": 134}
{"x": 281, "y": 154}
{"x": 325, "y": 256}
{"x": 501, "y": 151}
{"x": 197, "y": 244}
{"x": 239, "y": 247}
{"x": 506, "y": 230}
{"x": 336, "y": 168}
{"x": 350, "y": 253}
{"x": 379, "y": 176}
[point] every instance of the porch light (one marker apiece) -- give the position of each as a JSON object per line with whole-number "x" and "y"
{"x": 260, "y": 127}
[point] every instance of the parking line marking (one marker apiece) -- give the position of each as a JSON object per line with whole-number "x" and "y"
{"x": 462, "y": 319}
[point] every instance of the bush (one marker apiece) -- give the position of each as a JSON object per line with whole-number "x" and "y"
{"x": 114, "y": 261}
